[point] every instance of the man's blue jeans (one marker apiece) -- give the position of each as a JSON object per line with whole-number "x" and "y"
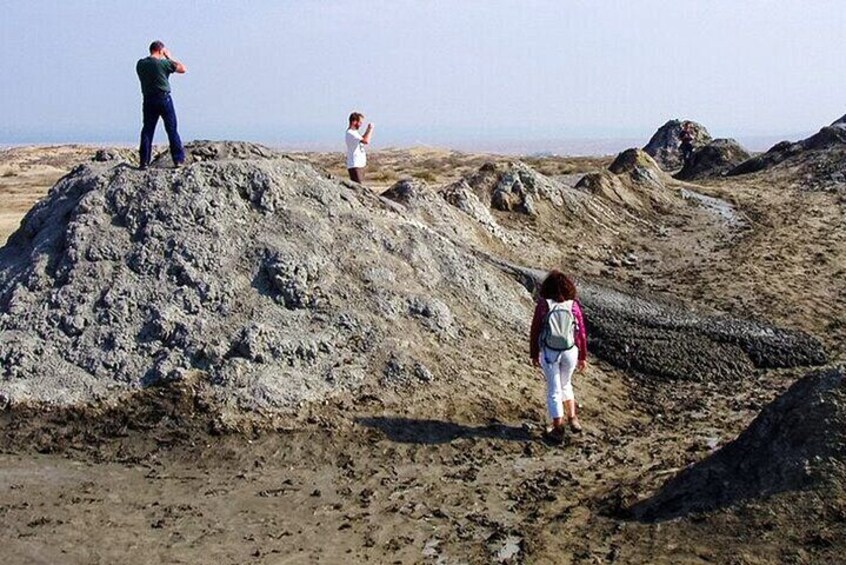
{"x": 160, "y": 106}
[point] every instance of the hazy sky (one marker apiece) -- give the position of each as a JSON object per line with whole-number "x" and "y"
{"x": 435, "y": 72}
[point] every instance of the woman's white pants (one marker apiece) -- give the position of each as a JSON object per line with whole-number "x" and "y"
{"x": 558, "y": 367}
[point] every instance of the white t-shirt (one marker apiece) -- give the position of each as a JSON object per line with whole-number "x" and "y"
{"x": 356, "y": 158}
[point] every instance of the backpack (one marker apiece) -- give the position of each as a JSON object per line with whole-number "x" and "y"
{"x": 559, "y": 326}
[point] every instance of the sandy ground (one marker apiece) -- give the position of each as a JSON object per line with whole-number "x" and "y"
{"x": 367, "y": 484}
{"x": 27, "y": 173}
{"x": 435, "y": 477}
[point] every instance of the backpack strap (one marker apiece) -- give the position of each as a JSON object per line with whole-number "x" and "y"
{"x": 551, "y": 305}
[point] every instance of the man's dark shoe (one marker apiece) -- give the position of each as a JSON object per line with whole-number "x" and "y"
{"x": 555, "y": 436}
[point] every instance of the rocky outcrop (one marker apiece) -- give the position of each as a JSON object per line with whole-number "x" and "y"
{"x": 797, "y": 442}
{"x": 713, "y": 160}
{"x": 447, "y": 209}
{"x": 115, "y": 154}
{"x": 406, "y": 192}
{"x": 815, "y": 148}
{"x": 663, "y": 146}
{"x": 501, "y": 196}
{"x": 514, "y": 187}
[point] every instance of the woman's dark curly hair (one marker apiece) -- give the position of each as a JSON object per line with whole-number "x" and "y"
{"x": 558, "y": 287}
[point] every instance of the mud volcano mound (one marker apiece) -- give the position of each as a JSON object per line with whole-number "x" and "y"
{"x": 714, "y": 159}
{"x": 634, "y": 180}
{"x": 798, "y": 442}
{"x": 663, "y": 146}
{"x": 821, "y": 155}
{"x": 504, "y": 199}
{"x": 514, "y": 187}
{"x": 275, "y": 283}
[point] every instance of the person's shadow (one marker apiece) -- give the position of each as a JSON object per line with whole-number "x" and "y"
{"x": 431, "y": 432}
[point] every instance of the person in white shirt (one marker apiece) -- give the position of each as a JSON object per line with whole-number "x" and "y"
{"x": 356, "y": 157}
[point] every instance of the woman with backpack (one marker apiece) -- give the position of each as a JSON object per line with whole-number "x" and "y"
{"x": 558, "y": 345}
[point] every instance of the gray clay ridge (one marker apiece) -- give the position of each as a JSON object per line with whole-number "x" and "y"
{"x": 280, "y": 284}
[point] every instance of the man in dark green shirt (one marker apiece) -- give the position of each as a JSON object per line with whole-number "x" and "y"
{"x": 153, "y": 72}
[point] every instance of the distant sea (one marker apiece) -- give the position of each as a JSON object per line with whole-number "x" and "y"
{"x": 538, "y": 147}
{"x": 546, "y": 147}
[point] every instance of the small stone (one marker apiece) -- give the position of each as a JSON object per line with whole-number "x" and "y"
{"x": 630, "y": 260}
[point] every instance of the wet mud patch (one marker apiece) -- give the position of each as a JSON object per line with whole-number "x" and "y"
{"x": 654, "y": 336}
{"x": 137, "y": 425}
{"x": 723, "y": 209}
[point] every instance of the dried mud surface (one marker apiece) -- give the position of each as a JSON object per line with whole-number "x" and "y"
{"x": 439, "y": 474}
{"x": 357, "y": 482}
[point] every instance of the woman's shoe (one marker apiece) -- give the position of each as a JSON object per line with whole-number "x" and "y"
{"x": 575, "y": 426}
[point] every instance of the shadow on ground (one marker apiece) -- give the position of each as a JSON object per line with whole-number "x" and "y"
{"x": 410, "y": 430}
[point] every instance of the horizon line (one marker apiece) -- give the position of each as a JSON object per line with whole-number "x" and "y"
{"x": 561, "y": 146}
